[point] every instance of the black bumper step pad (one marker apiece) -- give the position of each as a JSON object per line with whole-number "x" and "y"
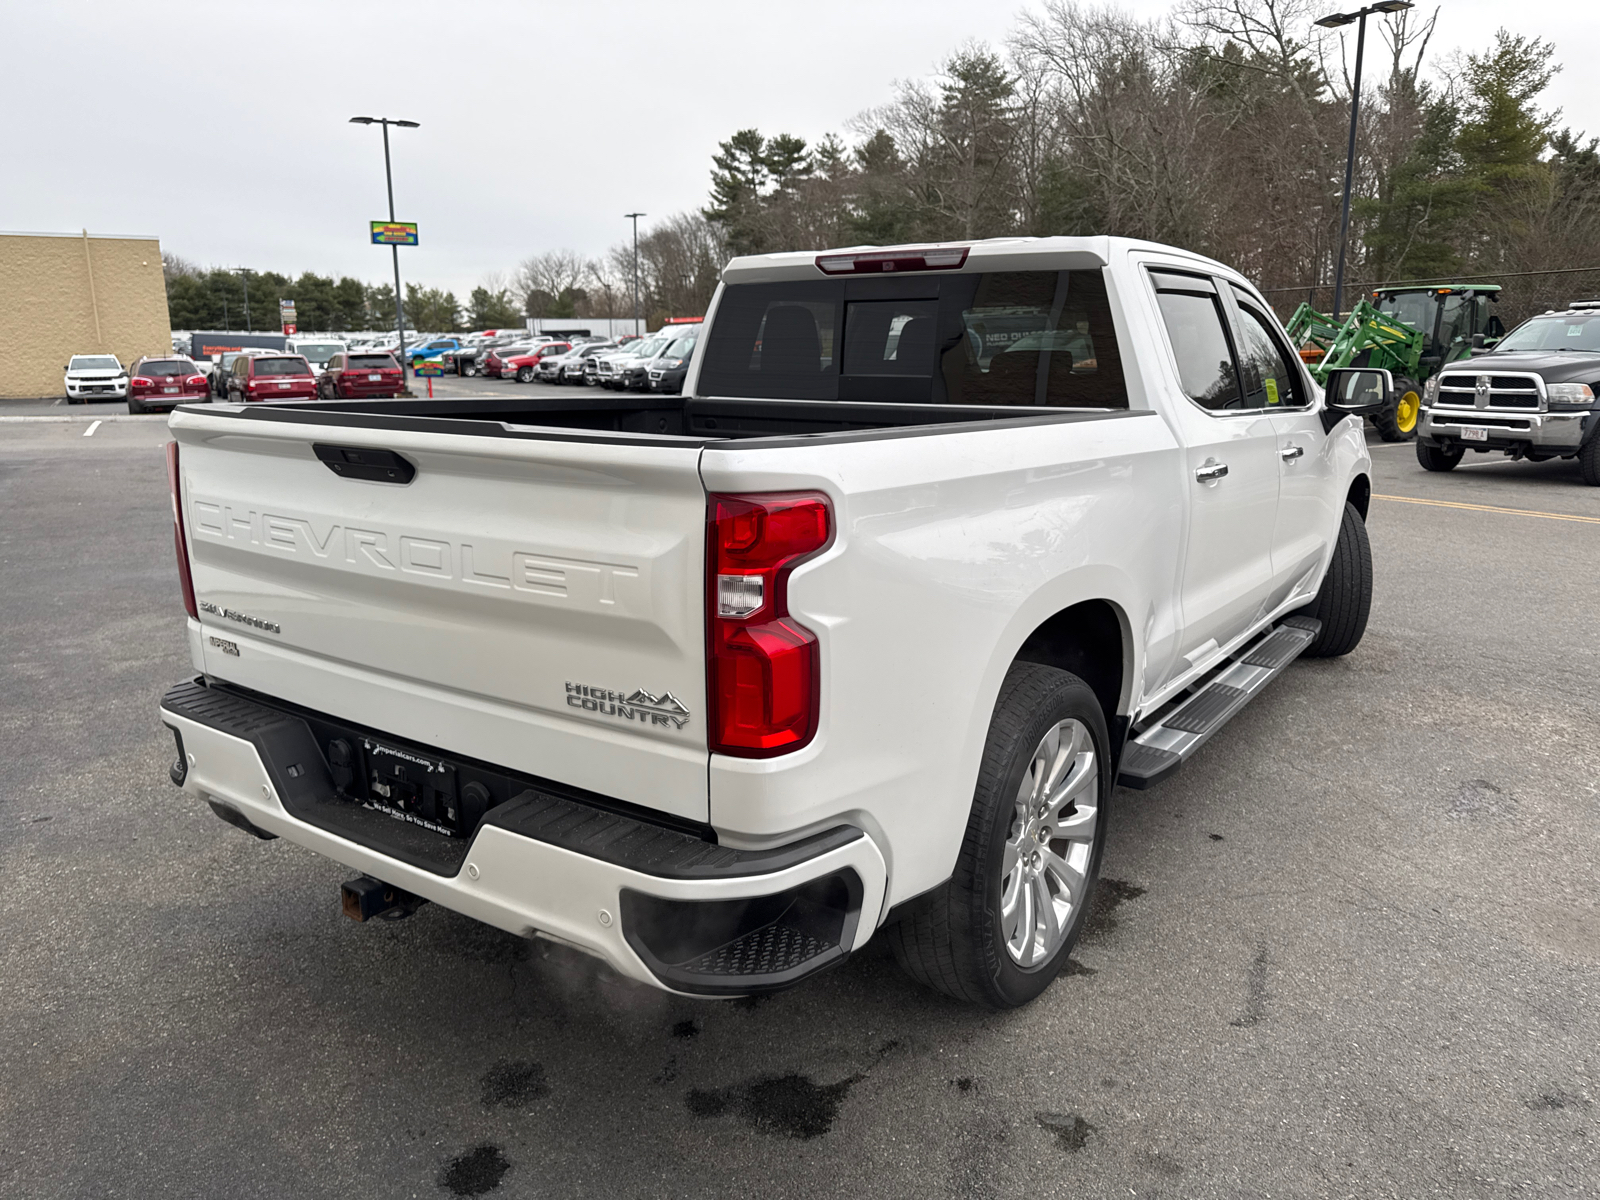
{"x": 532, "y": 808}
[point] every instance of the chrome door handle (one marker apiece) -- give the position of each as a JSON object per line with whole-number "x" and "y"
{"x": 1210, "y": 470}
{"x": 1290, "y": 453}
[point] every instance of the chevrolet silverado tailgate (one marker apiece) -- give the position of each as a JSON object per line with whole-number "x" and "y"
{"x": 532, "y": 601}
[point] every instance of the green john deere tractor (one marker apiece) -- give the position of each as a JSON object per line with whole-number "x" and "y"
{"x": 1411, "y": 332}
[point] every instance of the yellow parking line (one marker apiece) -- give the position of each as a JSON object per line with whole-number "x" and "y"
{"x": 1515, "y": 512}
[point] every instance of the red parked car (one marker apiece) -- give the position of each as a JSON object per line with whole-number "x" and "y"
{"x": 161, "y": 383}
{"x": 272, "y": 377}
{"x": 358, "y": 376}
{"x": 519, "y": 365}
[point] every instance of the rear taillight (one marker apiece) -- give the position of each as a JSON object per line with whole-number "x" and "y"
{"x": 195, "y": 381}
{"x": 141, "y": 381}
{"x": 763, "y": 669}
{"x": 179, "y": 539}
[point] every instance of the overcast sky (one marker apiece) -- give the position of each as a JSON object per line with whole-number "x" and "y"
{"x": 222, "y": 128}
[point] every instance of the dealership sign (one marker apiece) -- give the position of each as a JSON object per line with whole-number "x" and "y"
{"x": 394, "y": 233}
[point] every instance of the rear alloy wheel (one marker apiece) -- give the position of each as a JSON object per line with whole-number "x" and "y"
{"x": 469, "y": 369}
{"x": 524, "y": 374}
{"x": 1399, "y": 423}
{"x": 1001, "y": 927}
{"x": 134, "y": 406}
{"x": 1438, "y": 458}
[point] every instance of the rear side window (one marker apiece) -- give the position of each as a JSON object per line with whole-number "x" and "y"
{"x": 1031, "y": 338}
{"x": 167, "y": 368}
{"x": 1270, "y": 378}
{"x": 373, "y": 362}
{"x": 282, "y": 366}
{"x": 1205, "y": 360}
{"x": 1041, "y": 338}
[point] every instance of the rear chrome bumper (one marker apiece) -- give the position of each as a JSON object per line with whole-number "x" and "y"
{"x": 617, "y": 888}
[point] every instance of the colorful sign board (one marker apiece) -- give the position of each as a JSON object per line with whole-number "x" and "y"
{"x": 394, "y": 233}
{"x": 424, "y": 370}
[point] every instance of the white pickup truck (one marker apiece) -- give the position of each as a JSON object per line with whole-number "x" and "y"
{"x": 938, "y": 545}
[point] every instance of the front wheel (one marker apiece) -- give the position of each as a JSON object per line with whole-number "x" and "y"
{"x": 1399, "y": 423}
{"x": 1589, "y": 461}
{"x": 1438, "y": 458}
{"x": 999, "y": 930}
{"x": 524, "y": 374}
{"x": 1345, "y": 598}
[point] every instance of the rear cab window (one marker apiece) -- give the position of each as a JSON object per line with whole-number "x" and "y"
{"x": 1011, "y": 339}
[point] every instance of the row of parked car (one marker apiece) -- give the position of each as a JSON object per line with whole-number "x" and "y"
{"x": 654, "y": 363}
{"x": 332, "y": 370}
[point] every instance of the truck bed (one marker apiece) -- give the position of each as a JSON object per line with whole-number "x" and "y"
{"x": 651, "y": 418}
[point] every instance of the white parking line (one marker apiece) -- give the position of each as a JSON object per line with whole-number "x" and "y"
{"x": 89, "y": 432}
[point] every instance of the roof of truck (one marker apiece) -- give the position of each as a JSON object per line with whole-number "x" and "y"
{"x": 989, "y": 254}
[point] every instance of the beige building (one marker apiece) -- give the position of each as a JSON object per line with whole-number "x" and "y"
{"x": 76, "y": 293}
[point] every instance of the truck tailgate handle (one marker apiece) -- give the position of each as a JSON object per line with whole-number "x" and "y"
{"x": 1209, "y": 470}
{"x": 363, "y": 462}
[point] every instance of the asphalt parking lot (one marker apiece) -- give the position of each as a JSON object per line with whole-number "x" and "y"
{"x": 1352, "y": 949}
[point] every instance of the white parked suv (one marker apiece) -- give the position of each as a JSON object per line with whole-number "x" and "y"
{"x": 857, "y": 634}
{"x": 95, "y": 377}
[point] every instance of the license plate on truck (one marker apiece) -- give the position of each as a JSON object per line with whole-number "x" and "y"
{"x": 1474, "y": 435}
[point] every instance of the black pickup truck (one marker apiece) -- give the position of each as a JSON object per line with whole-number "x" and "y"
{"x": 1532, "y": 397}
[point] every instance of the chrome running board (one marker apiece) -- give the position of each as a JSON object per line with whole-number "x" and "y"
{"x": 1161, "y": 749}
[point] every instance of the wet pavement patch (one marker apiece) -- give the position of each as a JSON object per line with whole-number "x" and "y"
{"x": 1069, "y": 1129}
{"x": 1255, "y": 998}
{"x": 514, "y": 1084}
{"x": 476, "y": 1172}
{"x": 1109, "y": 895}
{"x": 784, "y": 1105}
{"x": 686, "y": 1029}
{"x": 1556, "y": 1099}
{"x": 1480, "y": 798}
{"x": 963, "y": 1084}
{"x": 1215, "y": 837}
{"x": 1074, "y": 967}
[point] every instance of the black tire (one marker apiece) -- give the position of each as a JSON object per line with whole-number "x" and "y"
{"x": 135, "y": 407}
{"x": 1589, "y": 461}
{"x": 1345, "y": 598}
{"x": 470, "y": 369}
{"x": 524, "y": 374}
{"x": 1398, "y": 423}
{"x": 952, "y": 939}
{"x": 1438, "y": 458}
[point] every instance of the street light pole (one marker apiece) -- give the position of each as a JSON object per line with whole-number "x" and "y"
{"x": 244, "y": 273}
{"x": 388, "y": 179}
{"x": 634, "y": 217}
{"x": 1334, "y": 21}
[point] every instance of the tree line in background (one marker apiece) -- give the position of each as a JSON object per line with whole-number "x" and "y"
{"x": 236, "y": 299}
{"x": 1221, "y": 128}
